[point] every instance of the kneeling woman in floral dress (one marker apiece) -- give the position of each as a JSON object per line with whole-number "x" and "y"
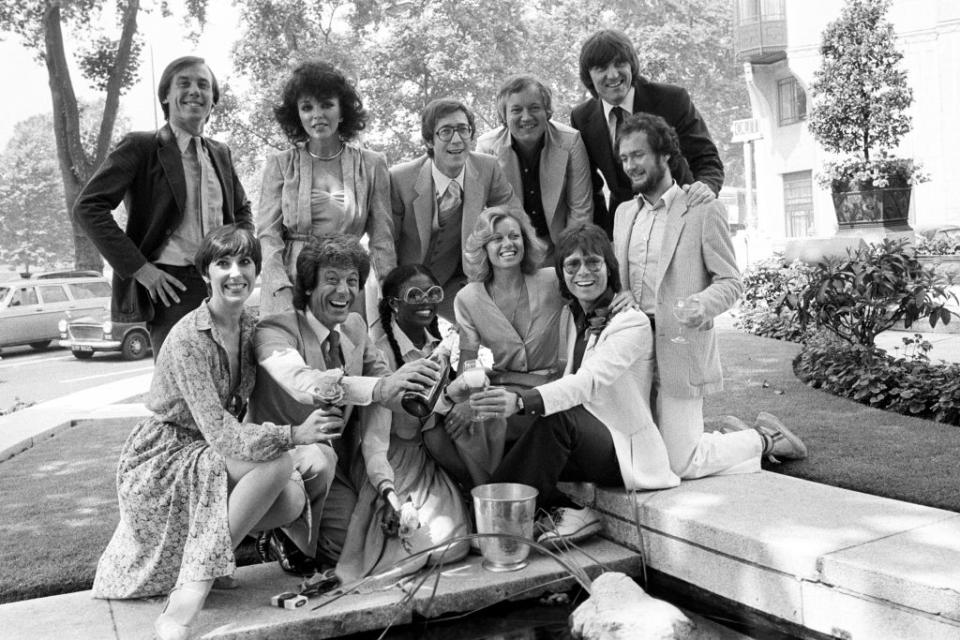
{"x": 193, "y": 479}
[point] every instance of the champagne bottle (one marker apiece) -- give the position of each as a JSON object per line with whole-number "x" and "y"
{"x": 420, "y": 403}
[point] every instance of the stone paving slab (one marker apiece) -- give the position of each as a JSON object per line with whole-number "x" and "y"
{"x": 245, "y": 613}
{"x": 769, "y": 519}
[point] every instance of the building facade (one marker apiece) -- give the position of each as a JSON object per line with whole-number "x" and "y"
{"x": 778, "y": 42}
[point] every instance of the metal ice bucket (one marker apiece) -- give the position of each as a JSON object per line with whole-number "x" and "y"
{"x": 504, "y": 507}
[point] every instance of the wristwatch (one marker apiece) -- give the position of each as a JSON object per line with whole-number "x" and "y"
{"x": 519, "y": 404}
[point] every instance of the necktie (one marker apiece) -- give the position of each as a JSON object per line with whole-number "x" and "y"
{"x": 451, "y": 198}
{"x": 618, "y": 114}
{"x": 205, "y": 173}
{"x": 331, "y": 355}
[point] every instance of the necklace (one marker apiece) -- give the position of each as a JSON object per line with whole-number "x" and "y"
{"x": 330, "y": 157}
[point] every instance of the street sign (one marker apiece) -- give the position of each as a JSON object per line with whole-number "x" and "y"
{"x": 745, "y": 130}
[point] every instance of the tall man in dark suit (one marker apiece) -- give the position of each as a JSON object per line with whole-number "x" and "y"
{"x": 437, "y": 197}
{"x": 177, "y": 186}
{"x": 610, "y": 70}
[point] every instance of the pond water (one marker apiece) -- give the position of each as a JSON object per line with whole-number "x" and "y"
{"x": 532, "y": 620}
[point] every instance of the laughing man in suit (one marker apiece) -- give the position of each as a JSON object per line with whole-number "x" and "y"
{"x": 545, "y": 161}
{"x": 610, "y": 70}
{"x": 437, "y": 197}
{"x": 177, "y": 186}
{"x": 668, "y": 249}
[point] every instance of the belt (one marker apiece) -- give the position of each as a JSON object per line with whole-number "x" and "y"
{"x": 178, "y": 269}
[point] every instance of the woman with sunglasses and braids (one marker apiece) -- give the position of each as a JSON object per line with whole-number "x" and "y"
{"x": 511, "y": 307}
{"x": 406, "y": 488}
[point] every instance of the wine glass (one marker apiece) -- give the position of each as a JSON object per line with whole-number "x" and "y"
{"x": 683, "y": 310}
{"x": 475, "y": 377}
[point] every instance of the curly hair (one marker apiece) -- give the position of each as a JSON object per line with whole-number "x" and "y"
{"x": 228, "y": 240}
{"x": 437, "y": 109}
{"x": 475, "y": 259}
{"x": 590, "y": 240}
{"x": 318, "y": 79}
{"x": 602, "y": 48}
{"x": 661, "y": 137}
{"x": 516, "y": 84}
{"x": 391, "y": 287}
{"x": 337, "y": 250}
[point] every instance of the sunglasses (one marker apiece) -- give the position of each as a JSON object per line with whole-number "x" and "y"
{"x": 414, "y": 295}
{"x": 571, "y": 267}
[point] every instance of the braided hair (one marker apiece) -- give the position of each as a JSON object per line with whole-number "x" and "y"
{"x": 391, "y": 287}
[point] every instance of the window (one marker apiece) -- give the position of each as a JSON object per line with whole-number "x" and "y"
{"x": 24, "y": 296}
{"x": 757, "y": 10}
{"x": 798, "y": 203}
{"x": 87, "y": 290}
{"x": 792, "y": 101}
{"x": 53, "y": 293}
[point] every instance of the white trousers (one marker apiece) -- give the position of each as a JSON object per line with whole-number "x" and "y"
{"x": 695, "y": 454}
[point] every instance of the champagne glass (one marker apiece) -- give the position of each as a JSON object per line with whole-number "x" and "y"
{"x": 684, "y": 309}
{"x": 475, "y": 377}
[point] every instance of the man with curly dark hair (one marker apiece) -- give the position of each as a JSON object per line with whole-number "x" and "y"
{"x": 177, "y": 186}
{"x": 296, "y": 352}
{"x": 327, "y": 183}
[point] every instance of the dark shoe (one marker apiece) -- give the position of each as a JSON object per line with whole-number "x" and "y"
{"x": 567, "y": 525}
{"x": 778, "y": 441}
{"x": 275, "y": 545}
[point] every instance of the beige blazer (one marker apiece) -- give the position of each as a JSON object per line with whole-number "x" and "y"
{"x": 613, "y": 383}
{"x": 565, "y": 185}
{"x": 413, "y": 200}
{"x": 696, "y": 257}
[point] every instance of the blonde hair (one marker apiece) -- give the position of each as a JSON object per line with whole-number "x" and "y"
{"x": 476, "y": 261}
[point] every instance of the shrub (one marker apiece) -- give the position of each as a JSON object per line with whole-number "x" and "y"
{"x": 766, "y": 284}
{"x": 909, "y": 385}
{"x": 870, "y": 291}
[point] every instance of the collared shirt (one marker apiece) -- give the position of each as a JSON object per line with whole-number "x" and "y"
{"x": 408, "y": 350}
{"x": 182, "y": 244}
{"x": 530, "y": 180}
{"x": 626, "y": 105}
{"x": 643, "y": 255}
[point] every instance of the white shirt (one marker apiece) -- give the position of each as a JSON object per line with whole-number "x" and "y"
{"x": 626, "y": 105}
{"x": 643, "y": 257}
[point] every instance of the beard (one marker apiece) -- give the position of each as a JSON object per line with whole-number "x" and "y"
{"x": 650, "y": 180}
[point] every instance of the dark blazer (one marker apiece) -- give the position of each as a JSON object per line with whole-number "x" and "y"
{"x": 701, "y": 160}
{"x": 145, "y": 172}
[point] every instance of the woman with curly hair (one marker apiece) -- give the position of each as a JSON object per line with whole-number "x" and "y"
{"x": 326, "y": 184}
{"x": 418, "y": 492}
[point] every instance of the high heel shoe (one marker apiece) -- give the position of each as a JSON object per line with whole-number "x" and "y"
{"x": 187, "y": 600}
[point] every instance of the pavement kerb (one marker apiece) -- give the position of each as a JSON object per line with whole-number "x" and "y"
{"x": 21, "y": 429}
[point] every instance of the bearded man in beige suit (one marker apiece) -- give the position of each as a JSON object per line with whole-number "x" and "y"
{"x": 669, "y": 250}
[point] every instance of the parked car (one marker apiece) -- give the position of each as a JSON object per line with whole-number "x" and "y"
{"x": 31, "y": 308}
{"x": 87, "y": 334}
{"x": 90, "y": 333}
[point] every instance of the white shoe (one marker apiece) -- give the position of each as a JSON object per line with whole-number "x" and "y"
{"x": 778, "y": 441}
{"x": 567, "y": 525}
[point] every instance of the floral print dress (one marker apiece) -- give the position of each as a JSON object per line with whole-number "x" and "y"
{"x": 172, "y": 474}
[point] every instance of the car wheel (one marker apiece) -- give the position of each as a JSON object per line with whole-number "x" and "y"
{"x": 82, "y": 355}
{"x": 135, "y": 345}
{"x": 40, "y": 346}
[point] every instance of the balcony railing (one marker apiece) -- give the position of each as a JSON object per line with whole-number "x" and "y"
{"x": 761, "y": 30}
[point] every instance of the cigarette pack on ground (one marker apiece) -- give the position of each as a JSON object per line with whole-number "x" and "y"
{"x": 288, "y": 600}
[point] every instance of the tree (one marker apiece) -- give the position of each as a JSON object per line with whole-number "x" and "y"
{"x": 31, "y": 191}
{"x": 107, "y": 60}
{"x": 861, "y": 96}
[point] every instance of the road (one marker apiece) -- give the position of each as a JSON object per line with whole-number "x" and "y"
{"x": 34, "y": 376}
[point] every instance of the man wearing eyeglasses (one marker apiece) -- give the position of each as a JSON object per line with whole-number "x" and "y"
{"x": 671, "y": 251}
{"x": 437, "y": 197}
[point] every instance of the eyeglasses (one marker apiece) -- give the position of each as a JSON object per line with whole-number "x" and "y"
{"x": 572, "y": 266}
{"x": 446, "y": 133}
{"x": 414, "y": 295}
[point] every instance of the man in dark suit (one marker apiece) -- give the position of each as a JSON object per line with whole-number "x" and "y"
{"x": 437, "y": 197}
{"x": 177, "y": 186}
{"x": 609, "y": 69}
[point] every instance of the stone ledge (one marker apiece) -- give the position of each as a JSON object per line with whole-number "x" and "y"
{"x": 798, "y": 550}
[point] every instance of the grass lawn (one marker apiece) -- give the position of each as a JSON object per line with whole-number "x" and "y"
{"x": 58, "y": 500}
